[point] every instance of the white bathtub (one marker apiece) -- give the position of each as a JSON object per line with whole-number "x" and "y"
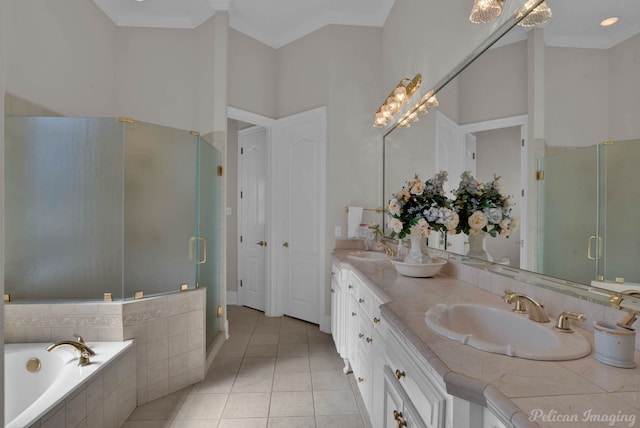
{"x": 30, "y": 395}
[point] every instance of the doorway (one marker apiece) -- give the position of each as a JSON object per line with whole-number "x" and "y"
{"x": 277, "y": 234}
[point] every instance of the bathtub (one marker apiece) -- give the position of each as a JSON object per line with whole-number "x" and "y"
{"x": 31, "y": 394}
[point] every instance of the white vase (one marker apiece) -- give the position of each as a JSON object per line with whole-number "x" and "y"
{"x": 478, "y": 246}
{"x": 415, "y": 251}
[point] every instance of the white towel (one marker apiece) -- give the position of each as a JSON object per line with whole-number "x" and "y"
{"x": 354, "y": 218}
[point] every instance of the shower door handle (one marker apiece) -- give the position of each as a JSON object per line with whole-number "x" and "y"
{"x": 598, "y": 240}
{"x": 192, "y": 244}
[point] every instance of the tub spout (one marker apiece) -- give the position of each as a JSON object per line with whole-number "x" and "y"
{"x": 84, "y": 351}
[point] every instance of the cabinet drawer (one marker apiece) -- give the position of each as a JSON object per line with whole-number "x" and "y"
{"x": 398, "y": 407}
{"x": 424, "y": 391}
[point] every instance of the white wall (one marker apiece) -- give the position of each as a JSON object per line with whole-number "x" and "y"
{"x": 576, "y": 96}
{"x": 86, "y": 66}
{"x": 61, "y": 56}
{"x": 495, "y": 85}
{"x": 624, "y": 87}
{"x": 155, "y": 71}
{"x": 253, "y": 69}
{"x": 430, "y": 37}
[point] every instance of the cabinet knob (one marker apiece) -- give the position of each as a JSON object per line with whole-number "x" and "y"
{"x": 402, "y": 423}
{"x": 360, "y": 380}
{"x": 360, "y": 300}
{"x": 369, "y": 340}
{"x": 353, "y": 314}
{"x": 397, "y": 415}
{"x": 376, "y": 320}
{"x": 350, "y": 286}
{"x": 361, "y": 335}
{"x": 399, "y": 374}
{"x": 333, "y": 290}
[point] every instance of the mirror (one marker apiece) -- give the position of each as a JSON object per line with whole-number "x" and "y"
{"x": 494, "y": 119}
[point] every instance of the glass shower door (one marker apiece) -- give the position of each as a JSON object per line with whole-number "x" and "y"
{"x": 569, "y": 240}
{"x": 160, "y": 198}
{"x": 620, "y": 196}
{"x": 209, "y": 221}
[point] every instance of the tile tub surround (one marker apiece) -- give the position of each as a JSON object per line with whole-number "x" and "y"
{"x": 521, "y": 391}
{"x": 106, "y": 401}
{"x": 169, "y": 333}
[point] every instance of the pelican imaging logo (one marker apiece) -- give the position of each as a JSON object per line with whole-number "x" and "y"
{"x": 618, "y": 419}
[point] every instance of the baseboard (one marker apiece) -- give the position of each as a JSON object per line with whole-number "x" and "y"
{"x": 232, "y": 297}
{"x": 325, "y": 324}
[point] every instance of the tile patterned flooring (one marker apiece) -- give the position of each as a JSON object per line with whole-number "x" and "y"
{"x": 272, "y": 372}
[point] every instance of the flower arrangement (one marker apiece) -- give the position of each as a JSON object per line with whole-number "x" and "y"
{"x": 483, "y": 207}
{"x": 422, "y": 204}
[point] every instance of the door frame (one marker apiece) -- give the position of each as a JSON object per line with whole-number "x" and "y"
{"x": 271, "y": 303}
{"x": 522, "y": 121}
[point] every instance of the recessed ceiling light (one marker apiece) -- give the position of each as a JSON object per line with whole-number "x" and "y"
{"x": 139, "y": 1}
{"x": 609, "y": 21}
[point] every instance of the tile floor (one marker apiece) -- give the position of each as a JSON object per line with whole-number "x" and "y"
{"x": 272, "y": 372}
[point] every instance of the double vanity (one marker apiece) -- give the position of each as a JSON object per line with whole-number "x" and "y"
{"x": 440, "y": 352}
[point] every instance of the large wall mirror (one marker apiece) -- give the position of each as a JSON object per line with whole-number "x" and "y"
{"x": 559, "y": 102}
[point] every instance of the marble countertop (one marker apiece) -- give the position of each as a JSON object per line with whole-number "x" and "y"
{"x": 576, "y": 393}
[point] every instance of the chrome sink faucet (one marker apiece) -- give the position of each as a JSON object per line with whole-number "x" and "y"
{"x": 83, "y": 350}
{"x": 534, "y": 308}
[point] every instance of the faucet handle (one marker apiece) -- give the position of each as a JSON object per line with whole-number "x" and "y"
{"x": 562, "y": 324}
{"x": 80, "y": 339}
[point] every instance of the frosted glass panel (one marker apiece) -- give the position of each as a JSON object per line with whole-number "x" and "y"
{"x": 568, "y": 215}
{"x": 620, "y": 196}
{"x": 210, "y": 229}
{"x": 159, "y": 208}
{"x": 64, "y": 207}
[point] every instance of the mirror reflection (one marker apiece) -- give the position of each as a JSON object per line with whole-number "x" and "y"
{"x": 540, "y": 104}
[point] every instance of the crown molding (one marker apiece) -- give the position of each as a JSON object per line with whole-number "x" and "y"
{"x": 219, "y": 5}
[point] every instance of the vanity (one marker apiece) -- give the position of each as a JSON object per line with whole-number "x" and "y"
{"x": 408, "y": 375}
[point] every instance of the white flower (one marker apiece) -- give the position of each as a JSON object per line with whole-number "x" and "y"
{"x": 504, "y": 224}
{"x": 514, "y": 224}
{"x": 477, "y": 221}
{"x": 394, "y": 207}
{"x": 451, "y": 220}
{"x": 418, "y": 188}
{"x": 395, "y": 225}
{"x": 494, "y": 215}
{"x": 423, "y": 226}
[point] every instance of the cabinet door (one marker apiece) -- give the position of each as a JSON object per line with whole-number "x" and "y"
{"x": 392, "y": 404}
{"x": 335, "y": 311}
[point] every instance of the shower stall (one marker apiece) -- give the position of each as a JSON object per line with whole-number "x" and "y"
{"x": 99, "y": 207}
{"x": 587, "y": 226}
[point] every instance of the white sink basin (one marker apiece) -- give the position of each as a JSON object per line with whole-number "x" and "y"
{"x": 501, "y": 331}
{"x": 368, "y": 256}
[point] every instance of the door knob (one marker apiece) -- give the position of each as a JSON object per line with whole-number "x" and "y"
{"x": 285, "y": 244}
{"x": 262, "y": 243}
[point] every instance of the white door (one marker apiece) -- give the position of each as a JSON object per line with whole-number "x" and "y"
{"x": 252, "y": 186}
{"x": 300, "y": 149}
{"x": 470, "y": 151}
{"x": 450, "y": 158}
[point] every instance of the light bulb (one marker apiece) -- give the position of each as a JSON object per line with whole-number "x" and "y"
{"x": 485, "y": 11}
{"x": 537, "y": 16}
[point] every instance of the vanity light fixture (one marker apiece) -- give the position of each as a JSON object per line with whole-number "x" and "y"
{"x": 396, "y": 100}
{"x": 537, "y": 16}
{"x": 609, "y": 21}
{"x": 420, "y": 107}
{"x": 485, "y": 11}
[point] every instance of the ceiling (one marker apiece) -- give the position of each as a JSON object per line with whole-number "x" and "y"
{"x": 272, "y": 22}
{"x": 279, "y": 22}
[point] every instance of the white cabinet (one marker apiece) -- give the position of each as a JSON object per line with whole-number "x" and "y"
{"x": 338, "y": 309}
{"x": 424, "y": 395}
{"x": 398, "y": 386}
